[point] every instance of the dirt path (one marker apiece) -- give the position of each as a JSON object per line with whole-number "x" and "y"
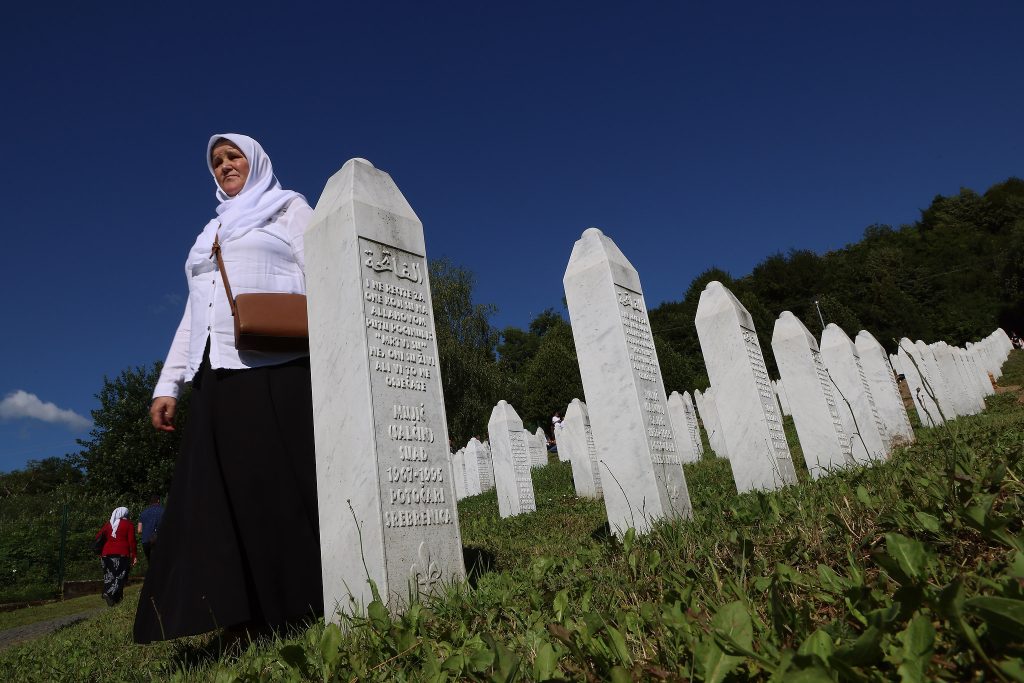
{"x": 21, "y": 634}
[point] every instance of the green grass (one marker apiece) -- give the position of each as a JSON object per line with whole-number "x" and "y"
{"x": 63, "y": 608}
{"x": 910, "y": 570}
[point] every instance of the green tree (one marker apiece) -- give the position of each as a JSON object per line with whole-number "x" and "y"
{"x": 125, "y": 455}
{"x": 466, "y": 349}
{"x": 551, "y": 379}
{"x": 40, "y": 476}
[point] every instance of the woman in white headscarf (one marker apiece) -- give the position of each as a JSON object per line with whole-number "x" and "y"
{"x": 116, "y": 540}
{"x": 239, "y": 540}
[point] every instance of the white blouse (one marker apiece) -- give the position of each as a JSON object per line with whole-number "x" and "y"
{"x": 266, "y": 259}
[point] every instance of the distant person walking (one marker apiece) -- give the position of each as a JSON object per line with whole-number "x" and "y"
{"x": 149, "y": 522}
{"x": 118, "y": 554}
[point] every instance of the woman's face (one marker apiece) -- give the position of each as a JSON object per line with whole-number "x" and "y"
{"x": 230, "y": 167}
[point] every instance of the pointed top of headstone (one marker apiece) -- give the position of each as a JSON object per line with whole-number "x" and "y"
{"x": 866, "y": 339}
{"x": 717, "y": 298}
{"x": 788, "y": 326}
{"x": 381, "y": 211}
{"x": 504, "y": 412}
{"x": 675, "y": 398}
{"x": 687, "y": 397}
{"x": 833, "y": 335}
{"x": 593, "y": 249}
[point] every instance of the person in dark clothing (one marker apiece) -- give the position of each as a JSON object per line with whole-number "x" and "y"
{"x": 149, "y": 522}
{"x": 118, "y": 554}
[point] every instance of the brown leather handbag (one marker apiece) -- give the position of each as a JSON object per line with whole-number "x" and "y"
{"x": 266, "y": 321}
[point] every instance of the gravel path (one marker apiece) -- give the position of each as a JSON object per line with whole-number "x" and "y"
{"x": 21, "y": 634}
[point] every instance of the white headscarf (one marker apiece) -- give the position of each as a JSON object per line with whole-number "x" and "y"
{"x": 115, "y": 519}
{"x": 258, "y": 201}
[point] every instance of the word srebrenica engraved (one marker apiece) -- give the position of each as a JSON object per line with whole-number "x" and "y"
{"x": 412, "y": 455}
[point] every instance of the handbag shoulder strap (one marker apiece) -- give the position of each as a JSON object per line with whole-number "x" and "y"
{"x": 223, "y": 273}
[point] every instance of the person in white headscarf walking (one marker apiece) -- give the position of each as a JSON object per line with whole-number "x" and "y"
{"x": 239, "y": 540}
{"x": 116, "y": 540}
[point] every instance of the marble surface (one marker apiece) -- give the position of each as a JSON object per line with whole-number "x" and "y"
{"x": 911, "y": 366}
{"x": 538, "y": 449}
{"x": 870, "y": 437}
{"x": 780, "y": 393}
{"x": 459, "y": 473}
{"x": 708, "y": 413}
{"x": 510, "y": 458}
{"x": 384, "y": 476}
{"x": 749, "y": 412}
{"x": 960, "y": 394}
{"x": 472, "y": 455}
{"x": 681, "y": 428}
{"x": 886, "y": 393}
{"x": 578, "y": 441}
{"x": 642, "y": 476}
{"x": 817, "y": 412}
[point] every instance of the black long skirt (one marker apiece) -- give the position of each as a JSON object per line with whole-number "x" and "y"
{"x": 239, "y": 539}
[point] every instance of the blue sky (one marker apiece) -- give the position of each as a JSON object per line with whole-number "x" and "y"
{"x": 694, "y": 134}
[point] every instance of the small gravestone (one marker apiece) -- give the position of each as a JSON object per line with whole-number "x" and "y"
{"x": 926, "y": 407}
{"x": 870, "y": 437}
{"x": 542, "y": 439}
{"x": 479, "y": 477}
{"x": 882, "y": 381}
{"x": 708, "y": 413}
{"x": 758, "y": 451}
{"x": 510, "y": 457}
{"x": 486, "y": 466}
{"x": 459, "y": 473}
{"x": 579, "y": 444}
{"x": 817, "y": 413}
{"x": 970, "y": 382}
{"x": 641, "y": 472}
{"x": 974, "y": 360}
{"x": 681, "y": 428}
{"x": 538, "y": 451}
{"x": 691, "y": 423}
{"x": 384, "y": 479}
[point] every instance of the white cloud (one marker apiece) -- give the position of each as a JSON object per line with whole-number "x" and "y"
{"x": 21, "y": 404}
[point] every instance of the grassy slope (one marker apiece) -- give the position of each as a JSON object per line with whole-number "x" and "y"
{"x": 912, "y": 569}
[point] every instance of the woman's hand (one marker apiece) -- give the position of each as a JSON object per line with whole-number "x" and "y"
{"x": 162, "y": 413}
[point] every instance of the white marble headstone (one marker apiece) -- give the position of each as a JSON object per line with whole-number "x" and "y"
{"x": 578, "y": 439}
{"x": 459, "y": 473}
{"x": 780, "y": 393}
{"x": 870, "y": 437}
{"x": 817, "y": 413}
{"x": 758, "y": 451}
{"x": 510, "y": 457}
{"x": 935, "y": 380}
{"x": 538, "y": 450}
{"x": 685, "y": 446}
{"x": 708, "y": 413}
{"x": 384, "y": 477}
{"x": 641, "y": 472}
{"x": 927, "y": 409}
{"x": 883, "y": 387}
{"x": 692, "y": 425}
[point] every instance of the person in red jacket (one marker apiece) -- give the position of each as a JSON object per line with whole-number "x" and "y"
{"x": 118, "y": 555}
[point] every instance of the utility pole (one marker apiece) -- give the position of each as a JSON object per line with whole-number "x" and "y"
{"x": 822, "y": 319}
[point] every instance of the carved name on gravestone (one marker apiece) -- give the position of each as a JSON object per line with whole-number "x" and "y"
{"x": 640, "y": 471}
{"x": 510, "y": 457}
{"x": 384, "y": 478}
{"x": 870, "y": 438}
{"x": 685, "y": 445}
{"x": 817, "y": 412}
{"x": 579, "y": 443}
{"x": 882, "y": 381}
{"x": 747, "y": 407}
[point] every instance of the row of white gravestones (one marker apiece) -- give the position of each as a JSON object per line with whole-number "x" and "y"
{"x": 510, "y": 457}
{"x": 747, "y": 407}
{"x": 578, "y": 442}
{"x": 640, "y": 468}
{"x": 780, "y": 392}
{"x": 387, "y": 504}
{"x": 708, "y": 413}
